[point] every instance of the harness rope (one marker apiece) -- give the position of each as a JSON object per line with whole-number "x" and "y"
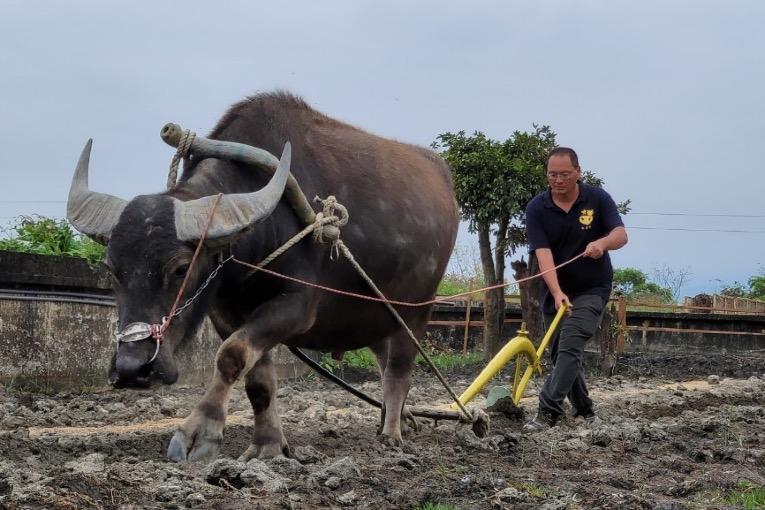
{"x": 326, "y": 229}
{"x": 337, "y": 244}
{"x": 181, "y": 152}
{"x": 320, "y": 228}
{"x": 158, "y": 330}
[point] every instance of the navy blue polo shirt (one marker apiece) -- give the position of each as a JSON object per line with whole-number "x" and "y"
{"x": 567, "y": 234}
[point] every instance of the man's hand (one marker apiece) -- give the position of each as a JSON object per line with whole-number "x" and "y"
{"x": 561, "y": 298}
{"x": 594, "y": 250}
{"x": 613, "y": 241}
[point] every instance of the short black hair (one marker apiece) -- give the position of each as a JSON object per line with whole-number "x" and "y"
{"x": 564, "y": 151}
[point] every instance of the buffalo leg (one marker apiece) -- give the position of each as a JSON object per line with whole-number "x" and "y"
{"x": 200, "y": 435}
{"x": 397, "y": 377}
{"x": 381, "y": 353}
{"x": 268, "y": 440}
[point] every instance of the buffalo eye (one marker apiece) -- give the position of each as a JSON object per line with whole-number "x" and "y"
{"x": 181, "y": 271}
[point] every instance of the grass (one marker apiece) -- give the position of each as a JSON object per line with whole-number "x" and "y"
{"x": 532, "y": 489}
{"x": 48, "y": 236}
{"x": 747, "y": 496}
{"x": 434, "y": 506}
{"x": 450, "y": 360}
{"x": 728, "y": 436}
{"x": 9, "y": 383}
{"x": 451, "y": 285}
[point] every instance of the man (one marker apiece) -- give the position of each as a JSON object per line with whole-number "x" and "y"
{"x": 567, "y": 219}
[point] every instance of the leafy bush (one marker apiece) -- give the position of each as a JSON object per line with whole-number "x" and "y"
{"x": 365, "y": 359}
{"x": 757, "y": 287}
{"x": 451, "y": 360}
{"x": 753, "y": 289}
{"x": 453, "y": 284}
{"x": 360, "y": 358}
{"x": 48, "y": 236}
{"x": 635, "y": 284}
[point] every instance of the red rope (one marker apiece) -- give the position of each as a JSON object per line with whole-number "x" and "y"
{"x": 402, "y": 303}
{"x": 158, "y": 330}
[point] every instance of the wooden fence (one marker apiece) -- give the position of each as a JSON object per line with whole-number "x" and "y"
{"x": 738, "y": 304}
{"x": 720, "y": 305}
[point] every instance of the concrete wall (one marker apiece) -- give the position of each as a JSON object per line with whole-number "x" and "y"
{"x": 47, "y": 344}
{"x": 50, "y": 344}
{"x": 706, "y": 332}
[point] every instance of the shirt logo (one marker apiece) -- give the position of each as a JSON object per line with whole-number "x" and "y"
{"x": 585, "y": 218}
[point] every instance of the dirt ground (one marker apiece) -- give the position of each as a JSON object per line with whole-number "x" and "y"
{"x": 666, "y": 438}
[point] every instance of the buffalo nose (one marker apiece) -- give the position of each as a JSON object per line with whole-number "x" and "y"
{"x": 128, "y": 367}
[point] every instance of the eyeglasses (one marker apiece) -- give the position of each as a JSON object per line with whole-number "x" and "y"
{"x": 563, "y": 176}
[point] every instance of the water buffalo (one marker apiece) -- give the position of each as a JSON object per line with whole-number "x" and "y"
{"x": 402, "y": 230}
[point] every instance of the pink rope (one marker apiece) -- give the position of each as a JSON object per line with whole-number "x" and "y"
{"x": 158, "y": 330}
{"x": 402, "y": 303}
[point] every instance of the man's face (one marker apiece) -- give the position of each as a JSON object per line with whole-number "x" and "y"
{"x": 562, "y": 175}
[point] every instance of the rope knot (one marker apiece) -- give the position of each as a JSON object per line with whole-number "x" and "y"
{"x": 328, "y": 222}
{"x": 184, "y": 146}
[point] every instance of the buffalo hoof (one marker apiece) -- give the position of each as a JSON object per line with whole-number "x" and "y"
{"x": 196, "y": 440}
{"x": 410, "y": 420}
{"x": 265, "y": 451}
{"x": 390, "y": 441}
{"x": 481, "y": 423}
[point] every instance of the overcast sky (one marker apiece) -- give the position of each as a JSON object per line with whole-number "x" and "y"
{"x": 664, "y": 100}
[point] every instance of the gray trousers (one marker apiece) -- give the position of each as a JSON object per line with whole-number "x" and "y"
{"x": 567, "y": 354}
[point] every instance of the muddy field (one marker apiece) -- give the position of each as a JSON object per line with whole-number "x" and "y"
{"x": 662, "y": 440}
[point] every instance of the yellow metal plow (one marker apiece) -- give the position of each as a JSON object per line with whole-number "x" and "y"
{"x": 519, "y": 347}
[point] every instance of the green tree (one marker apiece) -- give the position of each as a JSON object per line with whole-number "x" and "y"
{"x": 754, "y": 288}
{"x": 757, "y": 287}
{"x": 635, "y": 284}
{"x": 493, "y": 182}
{"x": 735, "y": 289}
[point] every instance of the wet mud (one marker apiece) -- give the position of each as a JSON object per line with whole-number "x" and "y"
{"x": 666, "y": 437}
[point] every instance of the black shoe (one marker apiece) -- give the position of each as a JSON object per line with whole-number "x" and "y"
{"x": 542, "y": 421}
{"x": 587, "y": 415}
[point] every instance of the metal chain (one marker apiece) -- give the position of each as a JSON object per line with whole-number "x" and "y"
{"x": 202, "y": 287}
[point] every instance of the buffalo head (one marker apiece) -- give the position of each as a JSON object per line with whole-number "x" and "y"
{"x": 150, "y": 242}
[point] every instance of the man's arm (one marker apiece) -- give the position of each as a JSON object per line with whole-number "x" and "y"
{"x": 545, "y": 259}
{"x": 613, "y": 241}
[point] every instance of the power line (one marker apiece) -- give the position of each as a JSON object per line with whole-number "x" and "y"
{"x": 631, "y": 213}
{"x": 734, "y": 231}
{"x": 32, "y": 201}
{"x": 698, "y": 215}
{"x": 675, "y": 229}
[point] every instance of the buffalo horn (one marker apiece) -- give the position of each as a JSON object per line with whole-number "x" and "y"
{"x": 91, "y": 213}
{"x": 235, "y": 212}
